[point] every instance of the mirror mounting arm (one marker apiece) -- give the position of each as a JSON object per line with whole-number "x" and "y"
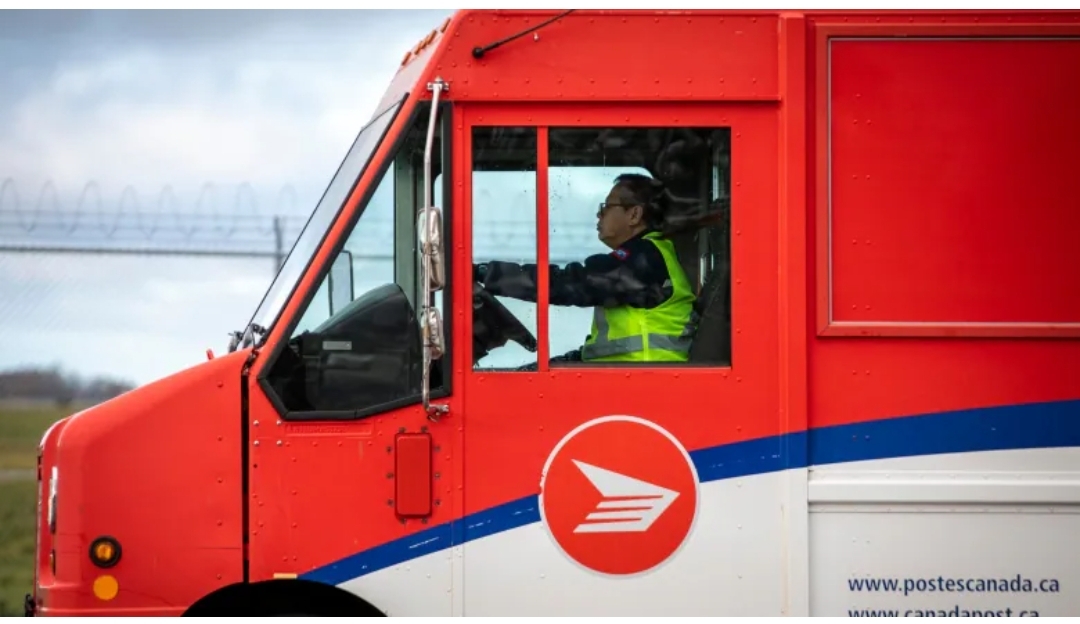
{"x": 430, "y": 248}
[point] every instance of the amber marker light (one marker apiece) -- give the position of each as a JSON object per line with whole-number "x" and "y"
{"x": 106, "y": 587}
{"x": 105, "y": 552}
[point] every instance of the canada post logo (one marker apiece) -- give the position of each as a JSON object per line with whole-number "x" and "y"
{"x": 619, "y": 495}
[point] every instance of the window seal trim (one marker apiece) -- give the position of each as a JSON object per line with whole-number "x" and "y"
{"x": 446, "y": 389}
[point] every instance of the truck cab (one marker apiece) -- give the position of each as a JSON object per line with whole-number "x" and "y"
{"x": 869, "y": 405}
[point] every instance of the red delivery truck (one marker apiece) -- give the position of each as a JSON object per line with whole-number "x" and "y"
{"x": 789, "y": 325}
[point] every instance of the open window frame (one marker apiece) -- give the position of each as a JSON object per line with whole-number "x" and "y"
{"x": 568, "y": 120}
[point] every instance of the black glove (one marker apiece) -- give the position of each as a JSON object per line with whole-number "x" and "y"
{"x": 479, "y": 271}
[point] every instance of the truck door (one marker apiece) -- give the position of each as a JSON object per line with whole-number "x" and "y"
{"x": 347, "y": 472}
{"x": 624, "y": 488}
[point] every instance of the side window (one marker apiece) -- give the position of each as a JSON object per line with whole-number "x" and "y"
{"x": 639, "y": 226}
{"x": 638, "y": 243}
{"x": 357, "y": 346}
{"x": 504, "y": 231}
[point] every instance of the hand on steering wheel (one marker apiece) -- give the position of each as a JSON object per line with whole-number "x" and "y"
{"x": 505, "y": 321}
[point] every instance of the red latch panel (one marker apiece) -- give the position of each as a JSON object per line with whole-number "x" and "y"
{"x": 413, "y": 475}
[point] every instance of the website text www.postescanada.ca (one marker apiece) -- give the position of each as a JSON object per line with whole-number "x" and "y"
{"x": 972, "y": 587}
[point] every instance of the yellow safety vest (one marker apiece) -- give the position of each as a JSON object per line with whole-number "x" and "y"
{"x": 660, "y": 334}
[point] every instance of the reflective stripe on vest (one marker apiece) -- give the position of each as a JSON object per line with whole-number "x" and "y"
{"x": 660, "y": 334}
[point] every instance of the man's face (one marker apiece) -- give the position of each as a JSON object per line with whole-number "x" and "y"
{"x": 618, "y": 219}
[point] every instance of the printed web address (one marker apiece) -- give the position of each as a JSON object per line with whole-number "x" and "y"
{"x": 956, "y": 611}
{"x": 1014, "y": 585}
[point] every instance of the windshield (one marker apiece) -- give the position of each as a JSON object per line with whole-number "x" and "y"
{"x": 320, "y": 220}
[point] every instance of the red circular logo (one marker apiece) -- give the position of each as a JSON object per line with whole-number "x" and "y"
{"x": 619, "y": 495}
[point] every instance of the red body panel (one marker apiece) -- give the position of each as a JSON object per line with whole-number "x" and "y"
{"x": 874, "y": 276}
{"x": 159, "y": 470}
{"x": 953, "y": 198}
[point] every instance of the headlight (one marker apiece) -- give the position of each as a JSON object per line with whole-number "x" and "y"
{"x": 52, "y": 499}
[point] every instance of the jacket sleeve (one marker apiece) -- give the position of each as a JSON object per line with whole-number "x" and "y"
{"x": 627, "y": 276}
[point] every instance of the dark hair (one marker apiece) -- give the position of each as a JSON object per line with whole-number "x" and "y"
{"x": 648, "y": 193}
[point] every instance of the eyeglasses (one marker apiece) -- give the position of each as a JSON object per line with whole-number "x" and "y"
{"x": 605, "y": 205}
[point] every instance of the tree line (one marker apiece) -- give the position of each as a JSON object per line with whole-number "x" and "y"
{"x": 63, "y": 388}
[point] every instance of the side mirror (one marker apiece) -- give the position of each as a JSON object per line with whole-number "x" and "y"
{"x": 433, "y": 333}
{"x": 341, "y": 282}
{"x": 429, "y": 232}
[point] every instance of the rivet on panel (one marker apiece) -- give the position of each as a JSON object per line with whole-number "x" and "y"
{"x": 256, "y": 443}
{"x": 279, "y": 442}
{"x": 256, "y": 423}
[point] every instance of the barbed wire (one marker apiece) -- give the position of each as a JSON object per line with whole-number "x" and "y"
{"x": 86, "y": 226}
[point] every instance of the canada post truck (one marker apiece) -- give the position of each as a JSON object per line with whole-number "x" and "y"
{"x": 874, "y": 221}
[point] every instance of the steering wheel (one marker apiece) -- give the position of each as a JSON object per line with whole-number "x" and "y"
{"x": 498, "y": 325}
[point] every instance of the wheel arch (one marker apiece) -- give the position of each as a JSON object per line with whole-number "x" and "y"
{"x": 282, "y": 597}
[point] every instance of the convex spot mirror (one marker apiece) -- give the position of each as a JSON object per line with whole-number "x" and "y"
{"x": 429, "y": 232}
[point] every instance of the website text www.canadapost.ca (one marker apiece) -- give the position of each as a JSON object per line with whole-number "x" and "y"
{"x": 972, "y": 587}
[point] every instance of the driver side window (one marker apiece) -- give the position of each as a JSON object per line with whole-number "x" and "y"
{"x": 638, "y": 242}
{"x": 356, "y": 349}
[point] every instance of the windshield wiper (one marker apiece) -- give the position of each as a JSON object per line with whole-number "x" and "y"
{"x": 480, "y": 51}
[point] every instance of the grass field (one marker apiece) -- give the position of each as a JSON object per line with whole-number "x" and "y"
{"x": 21, "y": 429}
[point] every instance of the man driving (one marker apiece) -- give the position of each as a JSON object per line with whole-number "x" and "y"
{"x": 642, "y": 301}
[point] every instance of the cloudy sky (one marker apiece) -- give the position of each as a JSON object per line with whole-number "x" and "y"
{"x": 139, "y": 113}
{"x": 148, "y": 100}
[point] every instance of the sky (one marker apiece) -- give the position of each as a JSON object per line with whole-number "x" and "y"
{"x": 137, "y": 102}
{"x": 128, "y": 117}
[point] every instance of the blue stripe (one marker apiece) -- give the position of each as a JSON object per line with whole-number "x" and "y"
{"x": 1028, "y": 426}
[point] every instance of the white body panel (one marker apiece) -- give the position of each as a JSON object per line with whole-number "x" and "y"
{"x": 990, "y": 533}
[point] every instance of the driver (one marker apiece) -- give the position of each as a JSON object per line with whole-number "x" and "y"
{"x": 642, "y": 301}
